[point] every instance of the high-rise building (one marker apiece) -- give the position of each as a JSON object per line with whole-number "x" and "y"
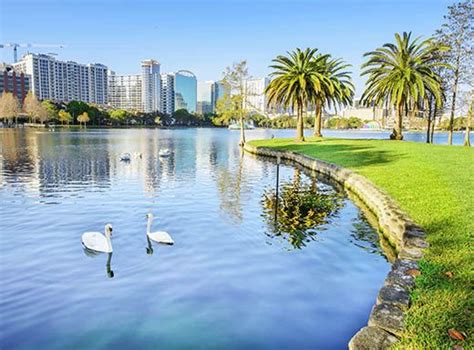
{"x": 208, "y": 93}
{"x": 151, "y": 85}
{"x": 125, "y": 91}
{"x": 185, "y": 91}
{"x": 178, "y": 91}
{"x": 167, "y": 93}
{"x": 205, "y": 100}
{"x": 64, "y": 81}
{"x": 219, "y": 91}
{"x": 18, "y": 83}
{"x": 256, "y": 100}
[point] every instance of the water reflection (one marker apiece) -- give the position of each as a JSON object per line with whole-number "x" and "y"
{"x": 149, "y": 248}
{"x": 209, "y": 195}
{"x": 299, "y": 209}
{"x": 231, "y": 186}
{"x": 365, "y": 237}
{"x": 108, "y": 267}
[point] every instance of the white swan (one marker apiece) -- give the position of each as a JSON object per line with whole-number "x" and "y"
{"x": 125, "y": 157}
{"x": 164, "y": 152}
{"x": 97, "y": 241}
{"x": 158, "y": 236}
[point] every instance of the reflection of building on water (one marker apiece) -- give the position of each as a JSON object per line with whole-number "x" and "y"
{"x": 31, "y": 160}
{"x": 80, "y": 160}
{"x": 20, "y": 160}
{"x": 44, "y": 163}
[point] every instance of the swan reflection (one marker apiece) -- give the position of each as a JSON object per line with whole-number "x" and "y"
{"x": 108, "y": 267}
{"x": 149, "y": 248}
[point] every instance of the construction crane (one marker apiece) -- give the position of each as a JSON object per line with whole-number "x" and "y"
{"x": 16, "y": 46}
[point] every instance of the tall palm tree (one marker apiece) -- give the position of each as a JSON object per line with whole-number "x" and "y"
{"x": 337, "y": 90}
{"x": 401, "y": 73}
{"x": 295, "y": 84}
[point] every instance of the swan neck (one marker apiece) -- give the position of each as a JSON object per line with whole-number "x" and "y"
{"x": 148, "y": 226}
{"x": 109, "y": 242}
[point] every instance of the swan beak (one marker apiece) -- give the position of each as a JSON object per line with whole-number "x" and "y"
{"x": 111, "y": 232}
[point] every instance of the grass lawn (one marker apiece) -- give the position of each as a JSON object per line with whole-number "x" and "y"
{"x": 435, "y": 186}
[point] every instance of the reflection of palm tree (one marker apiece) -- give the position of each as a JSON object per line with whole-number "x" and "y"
{"x": 230, "y": 189}
{"x": 301, "y": 208}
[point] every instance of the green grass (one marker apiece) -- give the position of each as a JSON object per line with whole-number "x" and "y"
{"x": 435, "y": 186}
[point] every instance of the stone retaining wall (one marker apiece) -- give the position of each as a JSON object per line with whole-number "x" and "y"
{"x": 386, "y": 320}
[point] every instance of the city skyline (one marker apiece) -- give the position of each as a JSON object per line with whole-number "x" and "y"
{"x": 213, "y": 38}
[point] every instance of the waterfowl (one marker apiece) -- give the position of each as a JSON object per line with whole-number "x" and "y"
{"x": 164, "y": 152}
{"x": 97, "y": 241}
{"x": 125, "y": 157}
{"x": 158, "y": 236}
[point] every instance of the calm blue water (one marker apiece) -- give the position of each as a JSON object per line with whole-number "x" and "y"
{"x": 225, "y": 284}
{"x": 440, "y": 138}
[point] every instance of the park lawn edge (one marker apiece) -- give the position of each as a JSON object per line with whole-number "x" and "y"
{"x": 434, "y": 185}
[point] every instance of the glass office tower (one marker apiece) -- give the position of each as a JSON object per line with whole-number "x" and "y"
{"x": 185, "y": 91}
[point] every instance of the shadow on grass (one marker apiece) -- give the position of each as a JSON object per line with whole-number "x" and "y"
{"x": 348, "y": 155}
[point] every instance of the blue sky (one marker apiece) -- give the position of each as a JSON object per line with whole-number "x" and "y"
{"x": 206, "y": 36}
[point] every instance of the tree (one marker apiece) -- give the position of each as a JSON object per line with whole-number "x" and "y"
{"x": 119, "y": 115}
{"x": 83, "y": 118}
{"x": 64, "y": 117}
{"x": 9, "y": 106}
{"x": 336, "y": 88}
{"x": 76, "y": 108}
{"x": 458, "y": 33}
{"x": 402, "y": 74}
{"x": 42, "y": 113}
{"x": 234, "y": 81}
{"x": 51, "y": 110}
{"x": 296, "y": 83}
{"x": 31, "y": 106}
{"x": 224, "y": 110}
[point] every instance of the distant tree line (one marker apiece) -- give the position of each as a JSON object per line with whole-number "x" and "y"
{"x": 81, "y": 113}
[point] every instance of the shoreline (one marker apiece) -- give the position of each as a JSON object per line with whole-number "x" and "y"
{"x": 386, "y": 321}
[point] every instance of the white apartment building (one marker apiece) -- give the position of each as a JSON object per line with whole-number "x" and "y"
{"x": 64, "y": 81}
{"x": 167, "y": 93}
{"x": 137, "y": 92}
{"x": 125, "y": 91}
{"x": 256, "y": 100}
{"x": 151, "y": 85}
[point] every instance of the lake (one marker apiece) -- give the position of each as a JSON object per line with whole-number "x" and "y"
{"x": 228, "y": 282}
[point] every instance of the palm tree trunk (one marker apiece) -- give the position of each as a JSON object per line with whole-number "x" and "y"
{"x": 428, "y": 129}
{"x": 299, "y": 124}
{"x": 317, "y": 120}
{"x": 397, "y": 128}
{"x": 429, "y": 110}
{"x": 435, "y": 113}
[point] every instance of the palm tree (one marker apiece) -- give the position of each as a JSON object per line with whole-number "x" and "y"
{"x": 295, "y": 84}
{"x": 336, "y": 90}
{"x": 402, "y": 73}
